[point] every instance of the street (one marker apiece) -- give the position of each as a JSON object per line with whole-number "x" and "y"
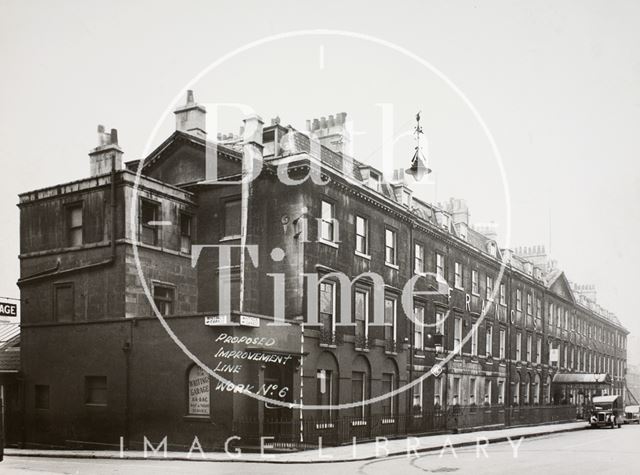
{"x": 586, "y": 451}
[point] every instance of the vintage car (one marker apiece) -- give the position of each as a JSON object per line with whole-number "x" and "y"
{"x": 632, "y": 414}
{"x": 606, "y": 412}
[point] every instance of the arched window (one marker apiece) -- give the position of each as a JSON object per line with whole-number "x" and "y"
{"x": 547, "y": 391}
{"x": 527, "y": 389}
{"x": 389, "y": 383}
{"x": 360, "y": 385}
{"x": 327, "y": 384}
{"x": 536, "y": 389}
{"x": 198, "y": 391}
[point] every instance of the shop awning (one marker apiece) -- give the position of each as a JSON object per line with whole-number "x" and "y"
{"x": 605, "y": 399}
{"x": 581, "y": 378}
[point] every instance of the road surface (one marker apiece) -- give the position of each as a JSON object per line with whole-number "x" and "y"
{"x": 587, "y": 451}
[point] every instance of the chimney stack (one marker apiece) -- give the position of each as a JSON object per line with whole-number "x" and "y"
{"x": 331, "y": 132}
{"x": 489, "y": 230}
{"x": 252, "y": 143}
{"x": 458, "y": 210}
{"x": 107, "y": 154}
{"x": 586, "y": 290}
{"x": 191, "y": 117}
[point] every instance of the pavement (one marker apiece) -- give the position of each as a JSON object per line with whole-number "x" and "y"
{"x": 365, "y": 451}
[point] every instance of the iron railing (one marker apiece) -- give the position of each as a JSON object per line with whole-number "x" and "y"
{"x": 340, "y": 429}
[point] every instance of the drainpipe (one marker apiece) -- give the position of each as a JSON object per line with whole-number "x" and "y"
{"x": 412, "y": 335}
{"x": 508, "y": 395}
{"x": 113, "y": 209}
{"x": 251, "y": 153}
{"x": 126, "y": 348}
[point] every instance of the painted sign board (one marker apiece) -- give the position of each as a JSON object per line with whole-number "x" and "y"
{"x": 216, "y": 320}
{"x": 8, "y": 309}
{"x": 198, "y": 392}
{"x": 247, "y": 321}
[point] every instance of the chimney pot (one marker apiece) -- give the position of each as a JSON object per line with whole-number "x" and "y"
{"x": 107, "y": 154}
{"x": 191, "y": 117}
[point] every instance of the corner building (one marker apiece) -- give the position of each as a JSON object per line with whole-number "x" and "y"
{"x": 100, "y": 368}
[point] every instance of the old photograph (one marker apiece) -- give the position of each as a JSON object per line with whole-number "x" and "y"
{"x": 341, "y": 237}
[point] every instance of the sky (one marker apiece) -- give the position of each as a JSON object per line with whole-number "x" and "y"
{"x": 555, "y": 83}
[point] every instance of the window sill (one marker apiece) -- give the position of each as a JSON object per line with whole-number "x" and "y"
{"x": 328, "y": 243}
{"x": 194, "y": 418}
{"x": 234, "y": 237}
{"x": 392, "y": 266}
{"x": 364, "y": 256}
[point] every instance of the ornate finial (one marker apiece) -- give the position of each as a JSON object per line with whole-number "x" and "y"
{"x": 418, "y": 167}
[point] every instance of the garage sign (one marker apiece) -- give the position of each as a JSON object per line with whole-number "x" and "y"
{"x": 8, "y": 309}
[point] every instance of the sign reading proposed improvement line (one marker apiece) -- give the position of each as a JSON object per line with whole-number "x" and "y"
{"x": 8, "y": 309}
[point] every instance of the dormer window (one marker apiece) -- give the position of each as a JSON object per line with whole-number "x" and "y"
{"x": 528, "y": 267}
{"x": 537, "y": 273}
{"x": 492, "y": 249}
{"x": 374, "y": 180}
{"x": 462, "y": 231}
{"x": 444, "y": 221}
{"x": 406, "y": 198}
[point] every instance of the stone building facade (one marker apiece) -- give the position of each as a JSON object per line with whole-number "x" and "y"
{"x": 507, "y": 330}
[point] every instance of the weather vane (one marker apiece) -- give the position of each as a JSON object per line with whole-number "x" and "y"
{"x": 418, "y": 167}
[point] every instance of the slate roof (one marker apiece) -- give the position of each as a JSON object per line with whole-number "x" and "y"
{"x": 295, "y": 142}
{"x": 8, "y": 330}
{"x": 9, "y": 347}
